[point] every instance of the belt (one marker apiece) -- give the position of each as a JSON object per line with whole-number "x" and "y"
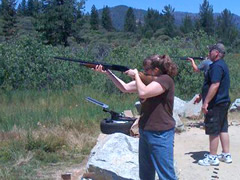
{"x": 224, "y": 104}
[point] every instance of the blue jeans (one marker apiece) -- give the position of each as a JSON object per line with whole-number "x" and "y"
{"x": 156, "y": 154}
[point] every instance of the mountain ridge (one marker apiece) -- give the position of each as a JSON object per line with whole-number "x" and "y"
{"x": 118, "y": 16}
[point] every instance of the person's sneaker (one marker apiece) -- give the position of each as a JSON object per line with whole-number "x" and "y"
{"x": 209, "y": 160}
{"x": 225, "y": 157}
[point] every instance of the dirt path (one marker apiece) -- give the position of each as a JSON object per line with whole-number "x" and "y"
{"x": 190, "y": 146}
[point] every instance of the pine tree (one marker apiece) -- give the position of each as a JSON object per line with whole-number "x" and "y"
{"x": 33, "y": 7}
{"x": 187, "y": 25}
{"x": 79, "y": 20}
{"x": 22, "y": 8}
{"x": 106, "y": 19}
{"x": 9, "y": 18}
{"x": 206, "y": 20}
{"x": 226, "y": 29}
{"x": 30, "y": 7}
{"x": 94, "y": 19}
{"x": 57, "y": 20}
{"x": 152, "y": 22}
{"x": 168, "y": 20}
{"x": 130, "y": 21}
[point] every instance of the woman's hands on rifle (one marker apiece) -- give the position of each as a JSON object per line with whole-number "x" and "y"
{"x": 132, "y": 73}
{"x": 99, "y": 68}
{"x": 120, "y": 84}
{"x": 137, "y": 85}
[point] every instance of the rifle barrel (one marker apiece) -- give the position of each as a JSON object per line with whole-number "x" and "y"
{"x": 93, "y": 64}
{"x": 186, "y": 57}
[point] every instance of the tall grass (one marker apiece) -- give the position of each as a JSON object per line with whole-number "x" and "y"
{"x": 41, "y": 128}
{"x": 27, "y": 109}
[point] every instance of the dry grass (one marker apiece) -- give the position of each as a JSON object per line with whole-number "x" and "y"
{"x": 23, "y": 160}
{"x": 74, "y": 138}
{"x": 76, "y": 145}
{"x": 14, "y": 134}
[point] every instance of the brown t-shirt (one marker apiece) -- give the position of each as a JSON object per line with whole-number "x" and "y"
{"x": 156, "y": 112}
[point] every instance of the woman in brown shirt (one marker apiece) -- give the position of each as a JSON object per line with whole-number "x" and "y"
{"x": 156, "y": 124}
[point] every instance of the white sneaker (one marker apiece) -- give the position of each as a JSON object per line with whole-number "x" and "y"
{"x": 209, "y": 160}
{"x": 225, "y": 157}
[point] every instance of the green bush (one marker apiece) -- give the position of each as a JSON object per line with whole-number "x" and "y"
{"x": 29, "y": 64}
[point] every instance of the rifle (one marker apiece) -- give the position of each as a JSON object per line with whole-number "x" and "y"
{"x": 94, "y": 64}
{"x": 186, "y": 57}
{"x": 146, "y": 79}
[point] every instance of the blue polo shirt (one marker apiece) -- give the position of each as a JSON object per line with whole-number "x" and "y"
{"x": 218, "y": 72}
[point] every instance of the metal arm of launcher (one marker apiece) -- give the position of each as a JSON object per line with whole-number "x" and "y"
{"x": 114, "y": 115}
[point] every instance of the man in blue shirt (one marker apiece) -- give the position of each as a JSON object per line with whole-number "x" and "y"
{"x": 216, "y": 101}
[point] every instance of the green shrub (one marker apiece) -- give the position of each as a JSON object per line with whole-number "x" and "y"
{"x": 28, "y": 64}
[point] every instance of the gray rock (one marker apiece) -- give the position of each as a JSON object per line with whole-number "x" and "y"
{"x": 179, "y": 124}
{"x": 179, "y": 106}
{"x": 193, "y": 111}
{"x": 115, "y": 157}
{"x": 235, "y": 106}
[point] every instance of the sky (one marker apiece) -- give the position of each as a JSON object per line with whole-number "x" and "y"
{"x": 179, "y": 5}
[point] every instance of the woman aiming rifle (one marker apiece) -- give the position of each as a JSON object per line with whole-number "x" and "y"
{"x": 156, "y": 124}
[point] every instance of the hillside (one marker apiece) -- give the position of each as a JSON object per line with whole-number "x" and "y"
{"x": 118, "y": 16}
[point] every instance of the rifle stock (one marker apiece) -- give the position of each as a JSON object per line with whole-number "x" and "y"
{"x": 145, "y": 79}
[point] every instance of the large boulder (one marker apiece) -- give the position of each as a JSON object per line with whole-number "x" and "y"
{"x": 235, "y": 105}
{"x": 193, "y": 111}
{"x": 114, "y": 157}
{"x": 179, "y": 106}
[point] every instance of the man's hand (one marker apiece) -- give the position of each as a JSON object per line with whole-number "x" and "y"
{"x": 204, "y": 108}
{"x": 194, "y": 66}
{"x": 198, "y": 99}
{"x": 190, "y": 59}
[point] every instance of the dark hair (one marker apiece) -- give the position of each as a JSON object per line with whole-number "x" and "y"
{"x": 163, "y": 63}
